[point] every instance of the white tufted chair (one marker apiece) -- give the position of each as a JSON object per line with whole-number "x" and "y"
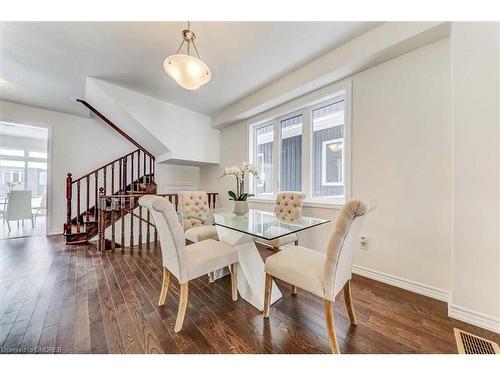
{"x": 186, "y": 262}
{"x": 288, "y": 208}
{"x": 193, "y": 203}
{"x": 324, "y": 275}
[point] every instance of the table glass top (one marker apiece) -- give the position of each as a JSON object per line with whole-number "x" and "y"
{"x": 263, "y": 224}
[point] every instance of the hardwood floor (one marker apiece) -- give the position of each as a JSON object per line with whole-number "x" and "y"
{"x": 71, "y": 299}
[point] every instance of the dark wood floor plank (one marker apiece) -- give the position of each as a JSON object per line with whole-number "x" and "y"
{"x": 97, "y": 332}
{"x": 131, "y": 337}
{"x": 66, "y": 325}
{"x": 146, "y": 334}
{"x": 114, "y": 339}
{"x": 82, "y": 323}
{"x": 80, "y": 300}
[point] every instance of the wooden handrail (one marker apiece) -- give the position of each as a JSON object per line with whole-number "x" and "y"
{"x": 106, "y": 165}
{"x": 116, "y": 128}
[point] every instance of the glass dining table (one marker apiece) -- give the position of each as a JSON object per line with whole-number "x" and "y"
{"x": 241, "y": 232}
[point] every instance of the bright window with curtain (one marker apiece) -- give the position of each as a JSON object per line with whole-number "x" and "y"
{"x": 305, "y": 150}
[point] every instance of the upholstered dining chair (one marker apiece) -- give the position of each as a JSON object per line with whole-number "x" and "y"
{"x": 288, "y": 208}
{"x": 193, "y": 203}
{"x": 18, "y": 207}
{"x": 186, "y": 262}
{"x": 324, "y": 275}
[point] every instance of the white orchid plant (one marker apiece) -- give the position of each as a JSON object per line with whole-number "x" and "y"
{"x": 239, "y": 172}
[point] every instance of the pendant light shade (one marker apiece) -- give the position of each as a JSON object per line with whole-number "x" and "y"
{"x": 188, "y": 71}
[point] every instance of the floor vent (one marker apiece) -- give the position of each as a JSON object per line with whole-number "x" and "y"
{"x": 467, "y": 343}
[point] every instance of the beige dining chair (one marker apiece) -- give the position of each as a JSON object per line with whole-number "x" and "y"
{"x": 190, "y": 205}
{"x": 288, "y": 208}
{"x": 186, "y": 262}
{"x": 324, "y": 275}
{"x": 19, "y": 207}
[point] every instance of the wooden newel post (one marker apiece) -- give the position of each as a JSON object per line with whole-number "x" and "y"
{"x": 69, "y": 193}
{"x": 101, "y": 224}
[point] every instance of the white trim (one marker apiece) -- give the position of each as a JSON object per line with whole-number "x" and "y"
{"x": 316, "y": 203}
{"x": 412, "y": 286}
{"x": 473, "y": 317}
{"x": 54, "y": 232}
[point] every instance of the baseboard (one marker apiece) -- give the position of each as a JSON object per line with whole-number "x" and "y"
{"x": 54, "y": 232}
{"x": 474, "y": 317}
{"x": 412, "y": 286}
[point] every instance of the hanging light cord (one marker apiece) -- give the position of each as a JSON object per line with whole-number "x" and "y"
{"x": 189, "y": 41}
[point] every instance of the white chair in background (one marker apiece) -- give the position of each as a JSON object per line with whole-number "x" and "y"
{"x": 38, "y": 205}
{"x": 190, "y": 205}
{"x": 288, "y": 208}
{"x": 324, "y": 275}
{"x": 19, "y": 207}
{"x": 186, "y": 262}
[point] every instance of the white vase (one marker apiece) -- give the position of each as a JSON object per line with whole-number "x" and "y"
{"x": 240, "y": 207}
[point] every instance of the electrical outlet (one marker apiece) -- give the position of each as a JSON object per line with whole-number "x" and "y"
{"x": 363, "y": 243}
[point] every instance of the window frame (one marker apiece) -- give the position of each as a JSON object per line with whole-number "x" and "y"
{"x": 305, "y": 106}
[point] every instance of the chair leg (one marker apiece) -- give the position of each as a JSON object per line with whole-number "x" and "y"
{"x": 348, "y": 303}
{"x": 294, "y": 289}
{"x": 164, "y": 287}
{"x": 267, "y": 294}
{"x": 8, "y": 225}
{"x": 182, "y": 307}
{"x": 234, "y": 281}
{"x": 32, "y": 223}
{"x": 296, "y": 242}
{"x": 330, "y": 326}
{"x": 211, "y": 277}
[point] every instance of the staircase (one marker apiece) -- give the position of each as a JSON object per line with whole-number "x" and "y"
{"x": 128, "y": 176}
{"x": 101, "y": 199}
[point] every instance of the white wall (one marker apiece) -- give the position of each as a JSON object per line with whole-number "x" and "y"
{"x": 401, "y": 157}
{"x": 78, "y": 145}
{"x": 187, "y": 134}
{"x": 176, "y": 177}
{"x": 476, "y": 204}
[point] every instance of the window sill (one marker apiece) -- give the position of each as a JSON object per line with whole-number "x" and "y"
{"x": 314, "y": 203}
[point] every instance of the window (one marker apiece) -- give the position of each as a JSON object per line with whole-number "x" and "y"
{"x": 37, "y": 155}
{"x": 11, "y": 152}
{"x": 264, "y": 148}
{"x": 291, "y": 154}
{"x": 304, "y": 150}
{"x": 20, "y": 172}
{"x": 327, "y": 150}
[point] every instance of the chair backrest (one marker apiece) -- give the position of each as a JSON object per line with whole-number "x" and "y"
{"x": 19, "y": 205}
{"x": 37, "y": 202}
{"x": 192, "y": 203}
{"x": 169, "y": 229}
{"x": 343, "y": 242}
{"x": 289, "y": 205}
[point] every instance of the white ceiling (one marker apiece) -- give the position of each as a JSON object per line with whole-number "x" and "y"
{"x": 44, "y": 64}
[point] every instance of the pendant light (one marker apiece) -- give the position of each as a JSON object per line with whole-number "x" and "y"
{"x": 188, "y": 71}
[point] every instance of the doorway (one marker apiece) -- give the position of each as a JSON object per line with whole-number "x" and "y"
{"x": 23, "y": 180}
